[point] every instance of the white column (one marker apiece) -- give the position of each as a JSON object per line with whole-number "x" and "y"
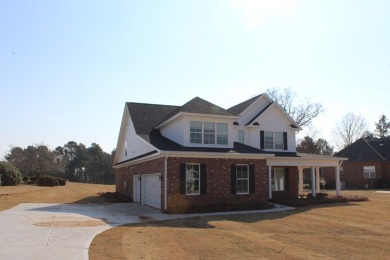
{"x": 313, "y": 183}
{"x": 318, "y": 179}
{"x": 300, "y": 182}
{"x": 269, "y": 182}
{"x": 337, "y": 169}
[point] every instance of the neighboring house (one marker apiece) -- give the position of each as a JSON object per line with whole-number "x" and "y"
{"x": 182, "y": 158}
{"x": 368, "y": 164}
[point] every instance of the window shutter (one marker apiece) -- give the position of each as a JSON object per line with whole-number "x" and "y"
{"x": 261, "y": 139}
{"x": 233, "y": 178}
{"x": 286, "y": 179}
{"x": 203, "y": 176}
{"x": 182, "y": 178}
{"x": 285, "y": 140}
{"x": 251, "y": 178}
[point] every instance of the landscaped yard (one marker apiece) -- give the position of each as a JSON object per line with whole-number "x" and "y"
{"x": 359, "y": 230}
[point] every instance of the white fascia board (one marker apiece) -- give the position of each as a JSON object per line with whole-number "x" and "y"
{"x": 192, "y": 114}
{"x": 216, "y": 155}
{"x": 253, "y": 103}
{"x": 125, "y": 116}
{"x": 283, "y": 113}
{"x": 306, "y": 162}
{"x": 140, "y": 160}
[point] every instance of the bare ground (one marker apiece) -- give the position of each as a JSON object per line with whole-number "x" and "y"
{"x": 11, "y": 196}
{"x": 359, "y": 230}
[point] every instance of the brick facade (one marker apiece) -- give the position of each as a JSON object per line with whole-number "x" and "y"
{"x": 292, "y": 186}
{"x": 218, "y": 195}
{"x": 353, "y": 175}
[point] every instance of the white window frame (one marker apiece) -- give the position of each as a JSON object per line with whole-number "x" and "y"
{"x": 193, "y": 180}
{"x": 196, "y": 133}
{"x": 369, "y": 172}
{"x": 242, "y": 178}
{"x": 222, "y": 137}
{"x": 219, "y": 133}
{"x": 277, "y": 140}
{"x": 279, "y": 180}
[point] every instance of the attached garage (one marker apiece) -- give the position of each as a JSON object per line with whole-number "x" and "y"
{"x": 151, "y": 190}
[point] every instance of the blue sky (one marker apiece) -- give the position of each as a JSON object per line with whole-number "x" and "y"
{"x": 68, "y": 67}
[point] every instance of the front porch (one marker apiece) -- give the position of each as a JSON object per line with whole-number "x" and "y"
{"x": 293, "y": 174}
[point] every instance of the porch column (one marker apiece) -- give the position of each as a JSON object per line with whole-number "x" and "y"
{"x": 313, "y": 183}
{"x": 337, "y": 169}
{"x": 300, "y": 180}
{"x": 318, "y": 179}
{"x": 269, "y": 182}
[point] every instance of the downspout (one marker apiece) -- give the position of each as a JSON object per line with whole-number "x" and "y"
{"x": 165, "y": 183}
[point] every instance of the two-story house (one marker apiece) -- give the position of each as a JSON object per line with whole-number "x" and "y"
{"x": 182, "y": 158}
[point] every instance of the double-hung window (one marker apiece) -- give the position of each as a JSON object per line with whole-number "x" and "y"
{"x": 208, "y": 133}
{"x": 242, "y": 179}
{"x": 222, "y": 133}
{"x": 192, "y": 179}
{"x": 278, "y": 179}
{"x": 195, "y": 132}
{"x": 273, "y": 140}
{"x": 369, "y": 172}
{"x": 241, "y": 136}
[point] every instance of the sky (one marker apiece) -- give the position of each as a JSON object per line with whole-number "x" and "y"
{"x": 68, "y": 67}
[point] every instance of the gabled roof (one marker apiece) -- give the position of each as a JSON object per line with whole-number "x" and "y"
{"x": 238, "y": 109}
{"x": 197, "y": 105}
{"x": 261, "y": 112}
{"x": 367, "y": 149}
{"x": 146, "y": 116}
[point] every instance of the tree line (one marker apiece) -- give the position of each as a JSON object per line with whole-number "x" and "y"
{"x": 73, "y": 161}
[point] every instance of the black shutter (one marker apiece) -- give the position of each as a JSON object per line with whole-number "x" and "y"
{"x": 251, "y": 178}
{"x": 286, "y": 179}
{"x": 182, "y": 178}
{"x": 261, "y": 139}
{"x": 203, "y": 174}
{"x": 285, "y": 140}
{"x": 233, "y": 178}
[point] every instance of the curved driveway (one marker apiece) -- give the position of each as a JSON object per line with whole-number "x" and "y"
{"x": 65, "y": 231}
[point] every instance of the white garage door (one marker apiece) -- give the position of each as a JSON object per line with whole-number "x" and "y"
{"x": 151, "y": 190}
{"x": 136, "y": 189}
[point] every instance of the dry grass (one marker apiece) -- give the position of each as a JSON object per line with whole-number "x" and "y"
{"x": 358, "y": 230}
{"x": 11, "y": 196}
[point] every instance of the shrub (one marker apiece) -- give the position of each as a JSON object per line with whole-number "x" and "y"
{"x": 33, "y": 178}
{"x": 50, "y": 181}
{"x": 26, "y": 178}
{"x": 10, "y": 176}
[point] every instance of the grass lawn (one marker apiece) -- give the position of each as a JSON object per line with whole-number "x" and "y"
{"x": 11, "y": 196}
{"x": 358, "y": 230}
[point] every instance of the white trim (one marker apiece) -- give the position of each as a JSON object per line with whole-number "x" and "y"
{"x": 248, "y": 179}
{"x": 193, "y": 194}
{"x": 192, "y": 114}
{"x": 166, "y": 183}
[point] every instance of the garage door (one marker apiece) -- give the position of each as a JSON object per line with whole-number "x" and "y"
{"x": 136, "y": 189}
{"x": 151, "y": 190}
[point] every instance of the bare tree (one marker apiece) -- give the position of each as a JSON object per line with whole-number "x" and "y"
{"x": 382, "y": 127}
{"x": 303, "y": 112}
{"x": 349, "y": 129}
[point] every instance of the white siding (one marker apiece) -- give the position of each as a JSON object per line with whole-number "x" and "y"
{"x": 175, "y": 131}
{"x": 135, "y": 145}
{"x": 253, "y": 110}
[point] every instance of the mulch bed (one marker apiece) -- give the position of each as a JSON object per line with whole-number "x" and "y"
{"x": 308, "y": 201}
{"x": 115, "y": 197}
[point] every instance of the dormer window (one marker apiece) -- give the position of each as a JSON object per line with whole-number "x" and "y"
{"x": 208, "y": 133}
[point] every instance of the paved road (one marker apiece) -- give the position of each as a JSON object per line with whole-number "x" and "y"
{"x": 65, "y": 231}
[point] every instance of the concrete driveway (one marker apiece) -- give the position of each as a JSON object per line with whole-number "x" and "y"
{"x": 63, "y": 231}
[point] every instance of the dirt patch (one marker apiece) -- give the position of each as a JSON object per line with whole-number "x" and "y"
{"x": 358, "y": 230}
